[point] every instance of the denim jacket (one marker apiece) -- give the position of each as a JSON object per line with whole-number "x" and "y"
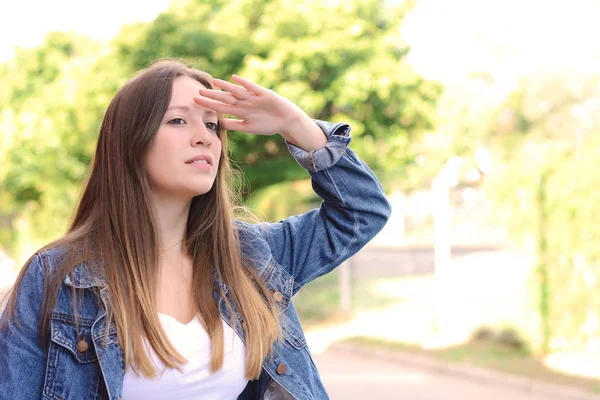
{"x": 287, "y": 255}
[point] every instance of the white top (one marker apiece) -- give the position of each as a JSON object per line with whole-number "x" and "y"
{"x": 196, "y": 382}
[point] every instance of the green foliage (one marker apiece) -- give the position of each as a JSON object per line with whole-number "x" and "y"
{"x": 50, "y": 123}
{"x": 272, "y": 204}
{"x": 543, "y": 189}
{"x": 339, "y": 60}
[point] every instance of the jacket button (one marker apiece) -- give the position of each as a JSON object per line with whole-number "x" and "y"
{"x": 278, "y": 296}
{"x": 281, "y": 368}
{"x": 82, "y": 346}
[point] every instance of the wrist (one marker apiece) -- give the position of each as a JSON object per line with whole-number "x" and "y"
{"x": 295, "y": 124}
{"x": 304, "y": 133}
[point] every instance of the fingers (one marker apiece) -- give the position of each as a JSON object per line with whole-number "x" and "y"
{"x": 235, "y": 90}
{"x": 219, "y": 95}
{"x": 245, "y": 126}
{"x": 215, "y": 105}
{"x": 249, "y": 85}
{"x": 233, "y": 99}
{"x": 233, "y": 124}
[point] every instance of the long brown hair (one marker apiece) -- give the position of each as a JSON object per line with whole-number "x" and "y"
{"x": 114, "y": 223}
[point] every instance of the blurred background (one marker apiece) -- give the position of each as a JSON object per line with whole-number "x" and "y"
{"x": 480, "y": 118}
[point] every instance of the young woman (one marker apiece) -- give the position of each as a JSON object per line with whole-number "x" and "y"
{"x": 157, "y": 291}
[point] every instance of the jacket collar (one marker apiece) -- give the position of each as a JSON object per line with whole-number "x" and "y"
{"x": 85, "y": 276}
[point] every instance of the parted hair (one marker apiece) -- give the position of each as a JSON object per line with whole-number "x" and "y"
{"x": 114, "y": 224}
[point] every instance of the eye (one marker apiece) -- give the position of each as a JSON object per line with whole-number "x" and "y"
{"x": 213, "y": 126}
{"x": 176, "y": 121}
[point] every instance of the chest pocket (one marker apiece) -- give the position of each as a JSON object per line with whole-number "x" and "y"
{"x": 77, "y": 342}
{"x": 72, "y": 370}
{"x": 281, "y": 285}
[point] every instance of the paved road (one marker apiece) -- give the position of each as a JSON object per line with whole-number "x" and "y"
{"x": 353, "y": 377}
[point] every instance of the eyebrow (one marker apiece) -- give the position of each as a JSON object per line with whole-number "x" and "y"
{"x": 186, "y": 108}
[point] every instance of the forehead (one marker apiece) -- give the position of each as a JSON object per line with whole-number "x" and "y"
{"x": 182, "y": 96}
{"x": 185, "y": 87}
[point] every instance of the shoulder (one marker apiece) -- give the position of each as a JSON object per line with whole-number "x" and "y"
{"x": 42, "y": 262}
{"x": 36, "y": 272}
{"x": 255, "y": 247}
{"x": 48, "y": 260}
{"x": 252, "y": 240}
{"x": 62, "y": 263}
{"x": 50, "y": 257}
{"x": 27, "y": 292}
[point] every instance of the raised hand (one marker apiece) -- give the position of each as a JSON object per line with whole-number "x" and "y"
{"x": 261, "y": 111}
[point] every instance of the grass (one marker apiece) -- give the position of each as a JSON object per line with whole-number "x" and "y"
{"x": 486, "y": 354}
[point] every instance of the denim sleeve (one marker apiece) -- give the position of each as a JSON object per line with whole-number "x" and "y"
{"x": 353, "y": 210}
{"x": 22, "y": 357}
{"x": 338, "y": 139}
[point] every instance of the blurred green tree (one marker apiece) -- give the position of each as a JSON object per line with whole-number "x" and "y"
{"x": 545, "y": 138}
{"x": 339, "y": 60}
{"x": 51, "y": 114}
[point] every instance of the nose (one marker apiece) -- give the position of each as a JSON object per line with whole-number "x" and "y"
{"x": 201, "y": 137}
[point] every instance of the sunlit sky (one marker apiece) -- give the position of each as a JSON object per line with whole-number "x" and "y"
{"x": 448, "y": 38}
{"x": 519, "y": 35}
{"x": 24, "y": 23}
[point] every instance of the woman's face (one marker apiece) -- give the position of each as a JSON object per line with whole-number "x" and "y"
{"x": 184, "y": 157}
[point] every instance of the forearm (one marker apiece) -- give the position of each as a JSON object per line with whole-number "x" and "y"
{"x": 305, "y": 134}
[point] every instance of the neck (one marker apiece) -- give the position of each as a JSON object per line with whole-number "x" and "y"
{"x": 171, "y": 218}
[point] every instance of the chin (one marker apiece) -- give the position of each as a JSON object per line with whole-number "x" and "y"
{"x": 200, "y": 191}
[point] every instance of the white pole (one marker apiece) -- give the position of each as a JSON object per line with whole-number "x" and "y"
{"x": 441, "y": 228}
{"x": 447, "y": 178}
{"x": 345, "y": 287}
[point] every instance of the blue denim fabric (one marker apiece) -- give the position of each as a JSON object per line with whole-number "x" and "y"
{"x": 286, "y": 255}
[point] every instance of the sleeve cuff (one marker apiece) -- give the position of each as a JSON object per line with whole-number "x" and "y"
{"x": 338, "y": 139}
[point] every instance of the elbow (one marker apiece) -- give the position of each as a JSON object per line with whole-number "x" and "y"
{"x": 385, "y": 211}
{"x": 377, "y": 218}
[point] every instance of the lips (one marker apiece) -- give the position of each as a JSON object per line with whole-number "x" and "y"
{"x": 200, "y": 159}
